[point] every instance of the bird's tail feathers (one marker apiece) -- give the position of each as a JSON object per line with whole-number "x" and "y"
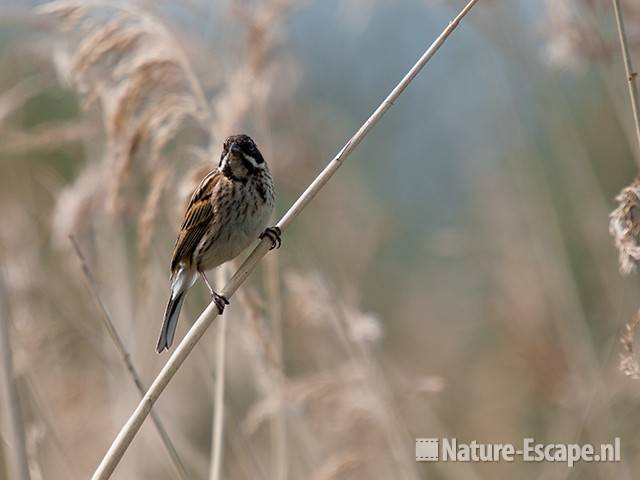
{"x": 180, "y": 283}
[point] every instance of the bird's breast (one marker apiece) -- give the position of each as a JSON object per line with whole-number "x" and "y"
{"x": 237, "y": 223}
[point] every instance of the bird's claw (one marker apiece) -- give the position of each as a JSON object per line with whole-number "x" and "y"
{"x": 273, "y": 234}
{"x": 220, "y": 301}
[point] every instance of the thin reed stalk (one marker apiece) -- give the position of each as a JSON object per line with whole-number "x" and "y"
{"x": 370, "y": 371}
{"x": 628, "y": 68}
{"x": 218, "y": 396}
{"x": 279, "y": 454}
{"x": 19, "y": 464}
{"x": 125, "y": 356}
{"x": 218, "y": 402}
{"x": 131, "y": 427}
{"x": 626, "y": 238}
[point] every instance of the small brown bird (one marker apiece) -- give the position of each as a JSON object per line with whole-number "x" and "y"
{"x": 227, "y": 211}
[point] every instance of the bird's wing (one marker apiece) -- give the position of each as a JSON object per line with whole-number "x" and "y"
{"x": 197, "y": 220}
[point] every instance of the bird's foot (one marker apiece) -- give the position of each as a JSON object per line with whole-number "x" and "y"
{"x": 273, "y": 234}
{"x": 220, "y": 301}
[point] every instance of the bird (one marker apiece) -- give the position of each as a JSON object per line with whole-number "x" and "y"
{"x": 228, "y": 210}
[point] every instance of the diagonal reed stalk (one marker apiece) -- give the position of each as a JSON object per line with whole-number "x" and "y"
{"x": 126, "y": 359}
{"x": 131, "y": 427}
{"x": 632, "y": 75}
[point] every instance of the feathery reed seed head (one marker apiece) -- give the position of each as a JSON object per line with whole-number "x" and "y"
{"x": 624, "y": 226}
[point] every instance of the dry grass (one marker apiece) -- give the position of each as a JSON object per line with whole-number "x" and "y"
{"x": 499, "y": 326}
{"x": 628, "y": 363}
{"x": 575, "y": 35}
{"x": 625, "y": 228}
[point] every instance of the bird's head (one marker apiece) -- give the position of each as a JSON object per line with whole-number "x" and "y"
{"x": 240, "y": 158}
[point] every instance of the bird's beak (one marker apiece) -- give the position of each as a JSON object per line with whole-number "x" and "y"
{"x": 233, "y": 152}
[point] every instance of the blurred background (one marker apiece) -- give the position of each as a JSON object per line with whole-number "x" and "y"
{"x": 456, "y": 278}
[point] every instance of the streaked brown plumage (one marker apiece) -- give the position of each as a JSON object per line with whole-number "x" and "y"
{"x": 227, "y": 211}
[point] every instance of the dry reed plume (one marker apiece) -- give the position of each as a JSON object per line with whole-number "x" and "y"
{"x": 492, "y": 316}
{"x": 131, "y": 428}
{"x": 624, "y": 224}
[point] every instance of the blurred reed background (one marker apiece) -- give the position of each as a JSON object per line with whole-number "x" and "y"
{"x": 455, "y": 279}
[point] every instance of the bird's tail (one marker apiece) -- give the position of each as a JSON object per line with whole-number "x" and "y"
{"x": 180, "y": 283}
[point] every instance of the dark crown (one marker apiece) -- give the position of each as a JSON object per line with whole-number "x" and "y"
{"x": 246, "y": 144}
